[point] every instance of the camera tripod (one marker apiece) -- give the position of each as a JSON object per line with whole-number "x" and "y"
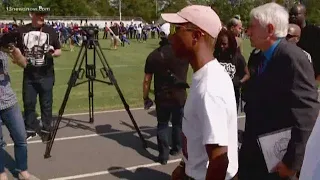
{"x": 90, "y": 71}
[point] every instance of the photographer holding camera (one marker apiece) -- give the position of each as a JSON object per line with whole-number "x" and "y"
{"x": 170, "y": 74}
{"x": 38, "y": 43}
{"x": 10, "y": 114}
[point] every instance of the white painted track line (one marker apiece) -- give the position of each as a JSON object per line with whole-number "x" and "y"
{"x": 117, "y": 110}
{"x": 91, "y": 135}
{"x": 84, "y": 136}
{"x": 114, "y": 171}
{"x": 101, "y": 112}
{"x": 69, "y": 69}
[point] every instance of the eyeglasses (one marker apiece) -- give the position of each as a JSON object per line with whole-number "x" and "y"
{"x": 174, "y": 28}
{"x": 289, "y": 36}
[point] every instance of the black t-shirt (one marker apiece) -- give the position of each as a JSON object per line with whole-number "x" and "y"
{"x": 34, "y": 46}
{"x": 253, "y": 64}
{"x": 158, "y": 63}
{"x": 310, "y": 42}
{"x": 234, "y": 66}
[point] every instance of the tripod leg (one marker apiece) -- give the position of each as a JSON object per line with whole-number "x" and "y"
{"x": 126, "y": 106}
{"x": 114, "y": 82}
{"x": 71, "y": 83}
{"x": 91, "y": 109}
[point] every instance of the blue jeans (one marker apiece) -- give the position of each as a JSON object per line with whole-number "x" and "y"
{"x": 12, "y": 119}
{"x": 164, "y": 114}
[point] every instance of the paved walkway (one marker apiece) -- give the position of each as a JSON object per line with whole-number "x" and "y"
{"x": 108, "y": 149}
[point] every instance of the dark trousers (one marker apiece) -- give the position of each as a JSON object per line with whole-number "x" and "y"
{"x": 131, "y": 34}
{"x": 30, "y": 91}
{"x": 164, "y": 115}
{"x": 237, "y": 94}
{"x": 105, "y": 35}
{"x": 134, "y": 34}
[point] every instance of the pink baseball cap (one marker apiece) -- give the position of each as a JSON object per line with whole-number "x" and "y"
{"x": 202, "y": 16}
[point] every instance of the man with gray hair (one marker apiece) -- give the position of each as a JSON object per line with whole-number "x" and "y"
{"x": 282, "y": 99}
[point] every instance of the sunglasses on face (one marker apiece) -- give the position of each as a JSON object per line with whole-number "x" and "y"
{"x": 289, "y": 36}
{"x": 174, "y": 28}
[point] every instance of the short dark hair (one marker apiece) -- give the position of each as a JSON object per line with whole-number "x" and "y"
{"x": 233, "y": 22}
{"x": 232, "y": 42}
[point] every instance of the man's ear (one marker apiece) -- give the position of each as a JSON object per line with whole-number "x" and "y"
{"x": 298, "y": 39}
{"x": 30, "y": 14}
{"x": 232, "y": 28}
{"x": 196, "y": 35}
{"x": 270, "y": 29}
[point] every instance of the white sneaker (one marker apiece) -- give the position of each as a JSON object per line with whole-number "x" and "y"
{"x": 31, "y": 177}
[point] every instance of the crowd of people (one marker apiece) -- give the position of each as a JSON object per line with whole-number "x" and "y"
{"x": 123, "y": 33}
{"x": 70, "y": 34}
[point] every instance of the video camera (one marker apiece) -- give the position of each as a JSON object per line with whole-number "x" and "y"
{"x": 89, "y": 31}
{"x": 9, "y": 39}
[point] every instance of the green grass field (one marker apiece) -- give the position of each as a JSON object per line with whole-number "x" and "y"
{"x": 127, "y": 64}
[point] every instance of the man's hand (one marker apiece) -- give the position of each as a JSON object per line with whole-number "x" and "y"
{"x": 284, "y": 171}
{"x": 178, "y": 173}
{"x": 54, "y": 52}
{"x": 16, "y": 55}
{"x": 147, "y": 103}
{"x": 9, "y": 49}
{"x": 146, "y": 88}
{"x": 51, "y": 49}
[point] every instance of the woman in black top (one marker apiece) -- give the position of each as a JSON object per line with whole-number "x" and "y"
{"x": 253, "y": 62}
{"x": 229, "y": 55}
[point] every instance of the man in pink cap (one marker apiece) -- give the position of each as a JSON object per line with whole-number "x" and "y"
{"x": 210, "y": 149}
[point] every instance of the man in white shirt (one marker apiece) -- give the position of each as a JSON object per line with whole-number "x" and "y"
{"x": 139, "y": 32}
{"x": 210, "y": 116}
{"x": 311, "y": 163}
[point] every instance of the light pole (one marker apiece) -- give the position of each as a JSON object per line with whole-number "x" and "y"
{"x": 120, "y": 9}
{"x": 156, "y": 8}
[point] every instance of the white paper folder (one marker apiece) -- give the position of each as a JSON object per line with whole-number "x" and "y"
{"x": 274, "y": 146}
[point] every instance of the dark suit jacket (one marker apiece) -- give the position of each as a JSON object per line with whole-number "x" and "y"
{"x": 283, "y": 96}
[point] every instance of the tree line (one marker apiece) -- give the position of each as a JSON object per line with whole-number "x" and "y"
{"x": 150, "y": 10}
